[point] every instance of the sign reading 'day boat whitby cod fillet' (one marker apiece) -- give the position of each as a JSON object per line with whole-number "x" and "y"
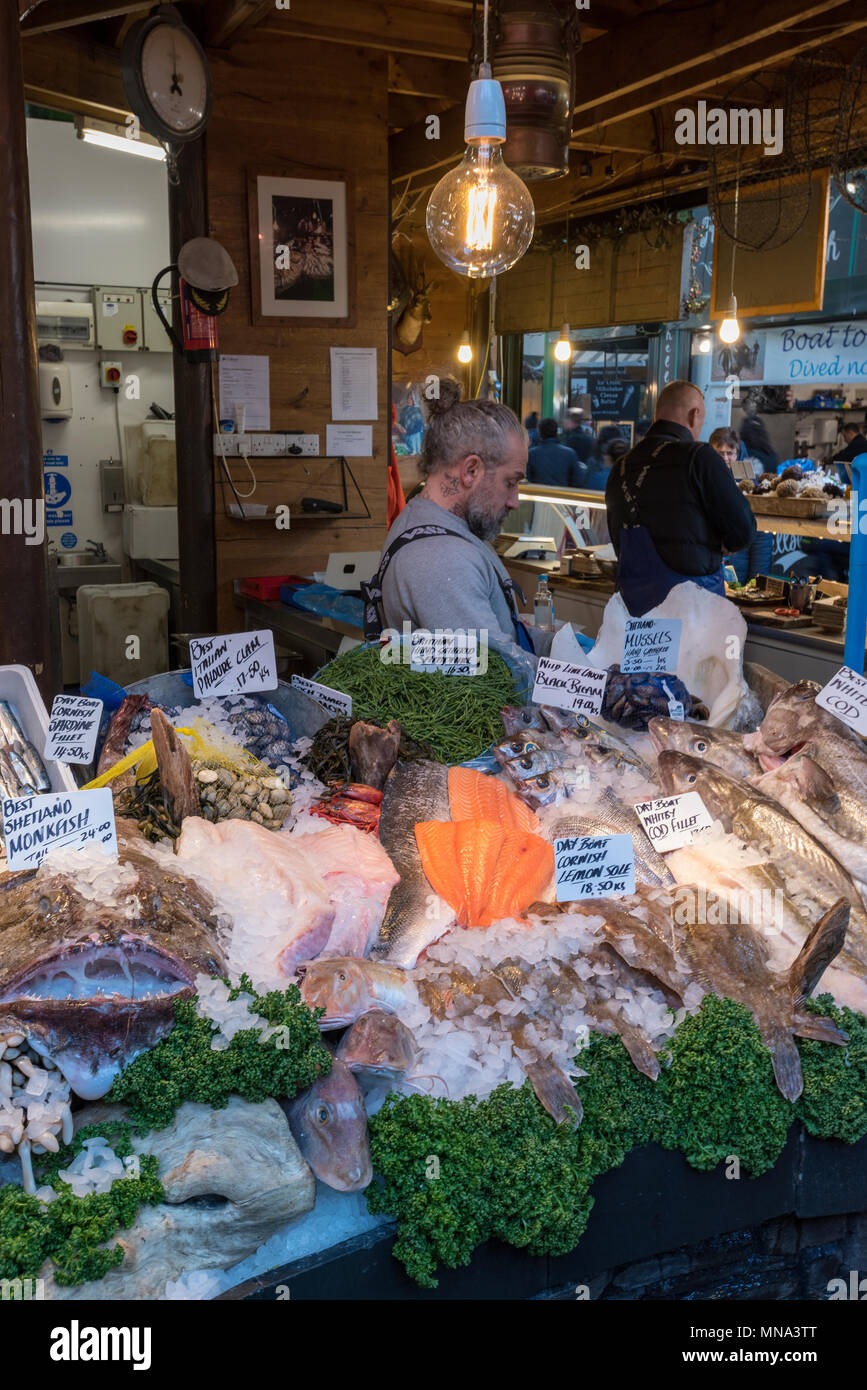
{"x": 577, "y": 688}
{"x": 593, "y": 866}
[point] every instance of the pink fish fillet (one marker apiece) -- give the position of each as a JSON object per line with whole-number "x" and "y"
{"x": 358, "y": 876}
{"x": 245, "y": 859}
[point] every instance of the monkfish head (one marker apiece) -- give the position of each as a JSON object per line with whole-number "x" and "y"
{"x": 93, "y": 958}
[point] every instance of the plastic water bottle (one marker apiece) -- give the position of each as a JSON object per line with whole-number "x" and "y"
{"x": 543, "y": 606}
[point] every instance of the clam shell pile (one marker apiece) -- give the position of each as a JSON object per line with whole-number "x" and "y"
{"x": 227, "y": 796}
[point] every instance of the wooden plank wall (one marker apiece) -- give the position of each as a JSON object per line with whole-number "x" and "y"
{"x": 626, "y": 282}
{"x": 291, "y": 102}
{"x": 441, "y": 338}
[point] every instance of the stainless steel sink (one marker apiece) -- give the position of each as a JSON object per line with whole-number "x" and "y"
{"x": 77, "y": 567}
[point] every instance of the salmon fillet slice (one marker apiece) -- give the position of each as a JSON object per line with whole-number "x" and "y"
{"x": 477, "y": 796}
{"x": 483, "y": 871}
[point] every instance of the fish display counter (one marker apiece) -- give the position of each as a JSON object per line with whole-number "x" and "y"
{"x": 433, "y": 972}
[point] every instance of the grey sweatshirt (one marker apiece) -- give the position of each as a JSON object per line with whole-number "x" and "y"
{"x": 440, "y": 582}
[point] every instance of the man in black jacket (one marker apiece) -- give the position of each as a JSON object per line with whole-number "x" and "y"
{"x": 854, "y": 444}
{"x": 675, "y": 503}
{"x": 549, "y": 463}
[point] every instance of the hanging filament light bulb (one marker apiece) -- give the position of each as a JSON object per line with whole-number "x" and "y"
{"x": 480, "y": 217}
{"x": 730, "y": 329}
{"x": 465, "y": 351}
{"x": 563, "y": 345}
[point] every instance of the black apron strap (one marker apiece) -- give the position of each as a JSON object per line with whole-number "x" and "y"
{"x": 371, "y": 592}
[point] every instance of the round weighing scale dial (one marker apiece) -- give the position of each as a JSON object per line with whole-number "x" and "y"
{"x": 166, "y": 77}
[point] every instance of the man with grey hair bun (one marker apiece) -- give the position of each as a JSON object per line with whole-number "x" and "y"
{"x": 438, "y": 569}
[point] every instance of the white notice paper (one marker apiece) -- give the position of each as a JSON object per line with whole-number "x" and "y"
{"x": 651, "y": 644}
{"x": 455, "y": 653}
{"x": 674, "y": 821}
{"x": 578, "y": 688}
{"x": 590, "y": 866}
{"x": 846, "y": 696}
{"x": 35, "y": 825}
{"x": 352, "y": 441}
{"x": 73, "y": 728}
{"x": 334, "y": 700}
{"x": 353, "y": 384}
{"x": 246, "y": 381}
{"x": 233, "y": 665}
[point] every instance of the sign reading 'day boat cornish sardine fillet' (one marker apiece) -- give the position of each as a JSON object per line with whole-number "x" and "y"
{"x": 577, "y": 688}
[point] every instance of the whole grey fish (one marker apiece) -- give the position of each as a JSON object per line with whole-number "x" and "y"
{"x": 614, "y": 818}
{"x": 761, "y": 822}
{"x": 94, "y": 982}
{"x": 764, "y": 683}
{"x": 794, "y": 718}
{"x": 580, "y": 726}
{"x": 731, "y": 960}
{"x": 519, "y": 719}
{"x": 721, "y": 747}
{"x": 415, "y": 915}
{"x": 516, "y": 745}
{"x": 824, "y": 786}
{"x": 530, "y": 764}
{"x": 329, "y": 1124}
{"x": 26, "y": 762}
{"x": 10, "y": 783}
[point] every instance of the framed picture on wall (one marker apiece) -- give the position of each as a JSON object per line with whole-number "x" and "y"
{"x": 301, "y": 259}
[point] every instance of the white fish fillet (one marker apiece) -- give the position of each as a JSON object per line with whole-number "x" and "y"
{"x": 358, "y": 877}
{"x": 709, "y": 622}
{"x": 280, "y": 907}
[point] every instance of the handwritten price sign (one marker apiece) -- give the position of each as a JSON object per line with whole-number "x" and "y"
{"x": 651, "y": 644}
{"x": 35, "y": 825}
{"x": 72, "y": 729}
{"x": 591, "y": 866}
{"x": 236, "y": 664}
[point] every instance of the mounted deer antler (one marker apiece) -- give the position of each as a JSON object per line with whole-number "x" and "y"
{"x": 407, "y": 333}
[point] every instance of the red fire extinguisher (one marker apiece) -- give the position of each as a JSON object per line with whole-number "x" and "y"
{"x": 205, "y": 275}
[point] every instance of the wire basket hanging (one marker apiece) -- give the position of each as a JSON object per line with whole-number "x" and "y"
{"x": 849, "y": 164}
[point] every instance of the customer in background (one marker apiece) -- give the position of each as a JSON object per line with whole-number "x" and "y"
{"x": 531, "y": 425}
{"x": 551, "y": 464}
{"x": 854, "y": 444}
{"x": 756, "y": 557}
{"x": 758, "y": 442}
{"x": 726, "y": 443}
{"x": 673, "y": 507}
{"x": 599, "y": 470}
{"x": 578, "y": 435}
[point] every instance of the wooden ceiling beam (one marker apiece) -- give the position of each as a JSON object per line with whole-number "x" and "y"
{"x": 718, "y": 44}
{"x": 67, "y": 14}
{"x": 409, "y": 75}
{"x": 398, "y": 28}
{"x": 226, "y": 21}
{"x": 412, "y": 153}
{"x": 72, "y": 75}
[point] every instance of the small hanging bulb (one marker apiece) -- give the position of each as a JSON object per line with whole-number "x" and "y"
{"x": 730, "y": 329}
{"x": 465, "y": 351}
{"x": 563, "y": 345}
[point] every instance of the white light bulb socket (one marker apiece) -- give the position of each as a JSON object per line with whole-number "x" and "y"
{"x": 485, "y": 116}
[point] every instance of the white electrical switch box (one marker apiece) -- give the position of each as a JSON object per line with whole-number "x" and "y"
{"x": 118, "y": 319}
{"x": 156, "y": 339}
